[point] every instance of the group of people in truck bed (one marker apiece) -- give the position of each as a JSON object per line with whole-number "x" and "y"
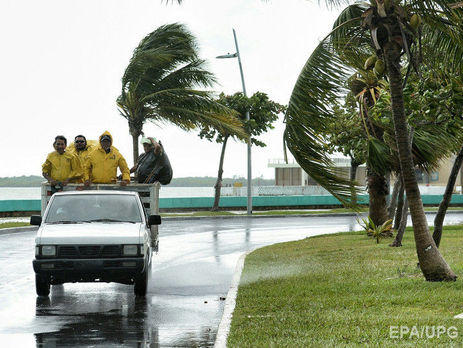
{"x": 94, "y": 162}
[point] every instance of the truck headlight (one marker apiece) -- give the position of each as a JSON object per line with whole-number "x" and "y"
{"x": 130, "y": 250}
{"x": 48, "y": 250}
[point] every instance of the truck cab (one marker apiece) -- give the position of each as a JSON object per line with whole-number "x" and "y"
{"x": 94, "y": 236}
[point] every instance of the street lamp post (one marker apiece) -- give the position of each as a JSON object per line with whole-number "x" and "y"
{"x": 234, "y": 55}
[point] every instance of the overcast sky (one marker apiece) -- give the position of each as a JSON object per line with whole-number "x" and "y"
{"x": 62, "y": 60}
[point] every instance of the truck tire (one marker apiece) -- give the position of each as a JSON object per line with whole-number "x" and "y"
{"x": 141, "y": 284}
{"x": 42, "y": 286}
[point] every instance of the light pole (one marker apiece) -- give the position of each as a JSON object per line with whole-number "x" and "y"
{"x": 234, "y": 55}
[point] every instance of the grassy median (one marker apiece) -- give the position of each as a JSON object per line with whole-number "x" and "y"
{"x": 13, "y": 224}
{"x": 346, "y": 290}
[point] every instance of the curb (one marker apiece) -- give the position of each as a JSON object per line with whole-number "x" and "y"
{"x": 230, "y": 302}
{"x": 12, "y": 230}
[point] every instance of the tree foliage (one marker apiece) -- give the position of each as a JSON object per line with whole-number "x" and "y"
{"x": 262, "y": 113}
{"x": 393, "y": 33}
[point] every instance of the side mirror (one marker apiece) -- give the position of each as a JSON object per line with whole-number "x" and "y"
{"x": 154, "y": 220}
{"x": 36, "y": 220}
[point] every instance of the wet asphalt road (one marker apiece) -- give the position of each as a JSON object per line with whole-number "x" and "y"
{"x": 183, "y": 307}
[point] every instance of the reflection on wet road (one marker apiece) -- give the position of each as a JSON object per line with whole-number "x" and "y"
{"x": 190, "y": 276}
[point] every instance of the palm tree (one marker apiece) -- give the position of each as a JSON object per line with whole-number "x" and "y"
{"x": 158, "y": 85}
{"x": 318, "y": 87}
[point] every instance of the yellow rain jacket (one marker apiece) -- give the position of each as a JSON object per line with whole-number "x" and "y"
{"x": 101, "y": 167}
{"x": 82, "y": 155}
{"x": 62, "y": 167}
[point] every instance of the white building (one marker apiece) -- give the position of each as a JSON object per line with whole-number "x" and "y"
{"x": 291, "y": 173}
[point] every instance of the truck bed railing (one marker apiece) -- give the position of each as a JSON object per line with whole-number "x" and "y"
{"x": 149, "y": 193}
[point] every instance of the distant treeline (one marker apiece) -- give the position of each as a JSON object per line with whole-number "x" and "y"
{"x": 22, "y": 181}
{"x": 206, "y": 181}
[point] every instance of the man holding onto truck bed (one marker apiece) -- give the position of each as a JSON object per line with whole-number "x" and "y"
{"x": 153, "y": 165}
{"x": 61, "y": 167}
{"x": 102, "y": 163}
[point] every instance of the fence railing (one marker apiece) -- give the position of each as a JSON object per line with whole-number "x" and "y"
{"x": 276, "y": 191}
{"x": 312, "y": 190}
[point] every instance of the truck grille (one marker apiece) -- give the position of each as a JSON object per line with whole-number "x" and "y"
{"x": 89, "y": 251}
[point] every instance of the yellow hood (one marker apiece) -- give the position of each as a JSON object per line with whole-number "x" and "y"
{"x": 105, "y": 133}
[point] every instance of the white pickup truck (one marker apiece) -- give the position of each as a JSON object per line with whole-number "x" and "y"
{"x": 94, "y": 236}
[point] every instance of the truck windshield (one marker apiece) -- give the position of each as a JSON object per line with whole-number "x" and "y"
{"x": 93, "y": 208}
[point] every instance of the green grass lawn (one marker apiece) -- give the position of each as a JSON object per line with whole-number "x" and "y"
{"x": 346, "y": 290}
{"x": 13, "y": 224}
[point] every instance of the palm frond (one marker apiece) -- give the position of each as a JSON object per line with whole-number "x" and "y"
{"x": 161, "y": 51}
{"x": 184, "y": 76}
{"x": 444, "y": 46}
{"x": 348, "y": 37}
{"x": 159, "y": 81}
{"x": 443, "y": 29}
{"x": 188, "y": 109}
{"x": 431, "y": 145}
{"x": 318, "y": 87}
{"x": 379, "y": 156}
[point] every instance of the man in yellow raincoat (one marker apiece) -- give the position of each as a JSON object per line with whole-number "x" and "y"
{"x": 81, "y": 148}
{"x": 61, "y": 167}
{"x": 102, "y": 163}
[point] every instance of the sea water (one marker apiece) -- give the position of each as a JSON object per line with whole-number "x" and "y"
{"x": 14, "y": 193}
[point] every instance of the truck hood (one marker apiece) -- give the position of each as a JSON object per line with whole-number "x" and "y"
{"x": 91, "y": 233}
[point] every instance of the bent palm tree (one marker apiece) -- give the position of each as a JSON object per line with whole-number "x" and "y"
{"x": 158, "y": 85}
{"x": 318, "y": 87}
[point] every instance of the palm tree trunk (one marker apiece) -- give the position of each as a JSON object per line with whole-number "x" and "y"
{"x": 400, "y": 206}
{"x": 444, "y": 204}
{"x": 135, "y": 147}
{"x": 393, "y": 202}
{"x": 218, "y": 184}
{"x": 377, "y": 191}
{"x": 135, "y": 130}
{"x": 353, "y": 174}
{"x": 353, "y": 168}
{"x": 402, "y": 225}
{"x": 432, "y": 264}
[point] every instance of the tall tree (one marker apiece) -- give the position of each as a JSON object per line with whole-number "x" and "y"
{"x": 392, "y": 31}
{"x": 262, "y": 113}
{"x": 438, "y": 95}
{"x": 159, "y": 85}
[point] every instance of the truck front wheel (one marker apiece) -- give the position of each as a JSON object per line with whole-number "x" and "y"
{"x": 141, "y": 284}
{"x": 42, "y": 286}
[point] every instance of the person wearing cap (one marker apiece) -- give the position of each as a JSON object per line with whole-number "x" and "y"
{"x": 102, "y": 163}
{"x": 153, "y": 165}
{"x": 61, "y": 167}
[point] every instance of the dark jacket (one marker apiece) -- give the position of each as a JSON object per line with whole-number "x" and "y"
{"x": 151, "y": 168}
